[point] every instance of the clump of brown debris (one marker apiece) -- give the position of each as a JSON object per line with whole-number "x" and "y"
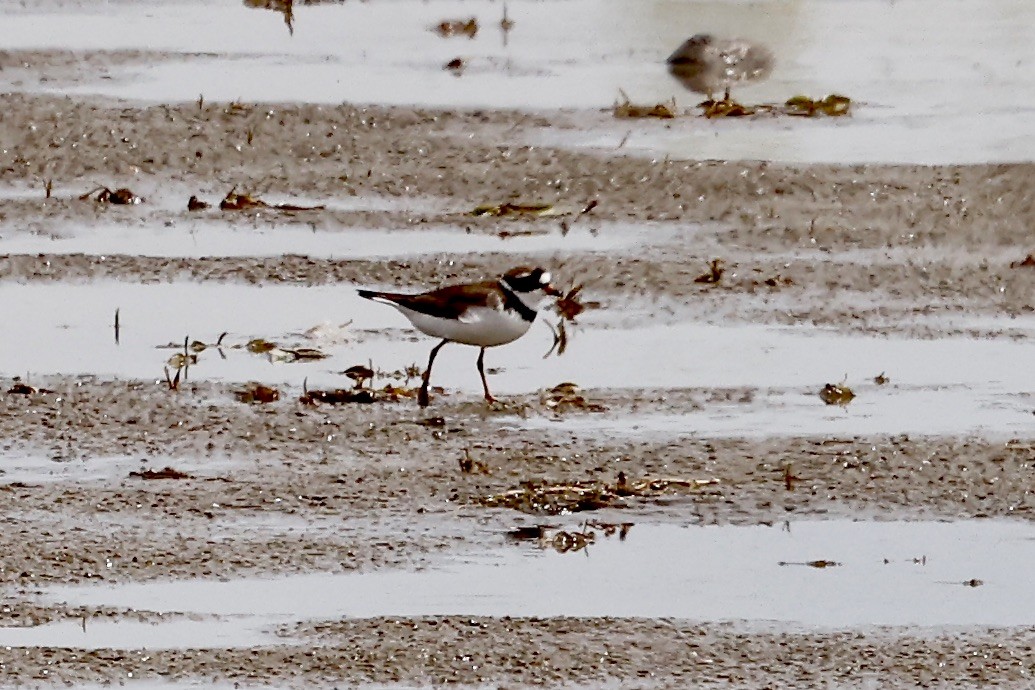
{"x": 234, "y": 201}
{"x": 566, "y": 397}
{"x": 625, "y": 108}
{"x": 836, "y": 394}
{"x": 457, "y": 27}
{"x": 121, "y": 196}
{"x": 355, "y": 395}
{"x": 570, "y": 541}
{"x": 834, "y": 105}
{"x": 511, "y": 208}
{"x": 555, "y": 499}
{"x": 257, "y": 393}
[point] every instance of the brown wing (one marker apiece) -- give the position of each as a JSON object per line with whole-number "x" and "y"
{"x": 449, "y": 302}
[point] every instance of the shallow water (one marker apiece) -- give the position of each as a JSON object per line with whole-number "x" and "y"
{"x": 949, "y": 385}
{"x": 212, "y": 238}
{"x": 888, "y": 573}
{"x": 223, "y": 633}
{"x": 875, "y": 412}
{"x": 918, "y": 72}
{"x": 37, "y": 468}
{"x": 19, "y": 467}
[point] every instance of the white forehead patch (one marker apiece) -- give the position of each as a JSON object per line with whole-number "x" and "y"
{"x": 544, "y": 279}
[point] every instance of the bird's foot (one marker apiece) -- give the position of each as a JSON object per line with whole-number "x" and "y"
{"x": 495, "y": 405}
{"x": 423, "y": 399}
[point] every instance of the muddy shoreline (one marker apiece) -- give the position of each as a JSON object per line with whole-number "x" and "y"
{"x": 857, "y": 247}
{"x": 287, "y": 488}
{"x": 385, "y": 464}
{"x": 636, "y": 653}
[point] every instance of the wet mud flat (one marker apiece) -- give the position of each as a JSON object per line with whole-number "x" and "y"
{"x": 285, "y": 489}
{"x": 472, "y": 652}
{"x": 278, "y": 490}
{"x": 880, "y": 544}
{"x": 390, "y": 456}
{"x": 866, "y": 247}
{"x": 379, "y": 492}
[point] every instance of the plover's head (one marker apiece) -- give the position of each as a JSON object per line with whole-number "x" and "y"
{"x": 529, "y": 281}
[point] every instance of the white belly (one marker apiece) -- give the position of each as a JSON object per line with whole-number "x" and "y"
{"x": 480, "y": 327}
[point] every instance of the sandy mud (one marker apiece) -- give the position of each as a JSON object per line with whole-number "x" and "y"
{"x": 856, "y": 247}
{"x": 909, "y": 252}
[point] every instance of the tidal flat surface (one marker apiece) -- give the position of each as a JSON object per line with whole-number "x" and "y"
{"x": 174, "y": 538}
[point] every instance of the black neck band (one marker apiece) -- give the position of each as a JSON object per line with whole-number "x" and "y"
{"x": 512, "y": 301}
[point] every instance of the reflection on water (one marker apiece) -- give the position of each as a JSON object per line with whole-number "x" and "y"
{"x": 202, "y": 238}
{"x": 886, "y": 573}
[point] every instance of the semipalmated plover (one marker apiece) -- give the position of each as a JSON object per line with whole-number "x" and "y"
{"x": 484, "y": 314}
{"x": 707, "y": 65}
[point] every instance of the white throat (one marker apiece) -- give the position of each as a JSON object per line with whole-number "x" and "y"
{"x": 531, "y": 300}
